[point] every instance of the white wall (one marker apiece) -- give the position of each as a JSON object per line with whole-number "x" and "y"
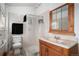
{"x": 44, "y": 11}
{"x": 21, "y": 10}
{"x": 76, "y": 24}
{"x": 16, "y": 13}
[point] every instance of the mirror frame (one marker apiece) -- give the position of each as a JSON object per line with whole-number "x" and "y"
{"x": 70, "y": 30}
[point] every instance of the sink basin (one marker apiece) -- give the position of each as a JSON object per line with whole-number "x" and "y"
{"x": 50, "y": 39}
{"x": 62, "y": 41}
{"x": 57, "y": 41}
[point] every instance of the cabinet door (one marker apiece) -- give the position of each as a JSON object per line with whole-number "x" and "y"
{"x": 52, "y": 52}
{"x": 43, "y": 50}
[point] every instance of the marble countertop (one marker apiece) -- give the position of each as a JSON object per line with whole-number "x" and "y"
{"x": 60, "y": 42}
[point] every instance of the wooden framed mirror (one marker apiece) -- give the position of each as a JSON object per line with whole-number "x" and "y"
{"x": 62, "y": 19}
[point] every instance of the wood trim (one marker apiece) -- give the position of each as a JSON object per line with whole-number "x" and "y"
{"x": 50, "y": 15}
{"x": 70, "y": 19}
{"x": 62, "y": 32}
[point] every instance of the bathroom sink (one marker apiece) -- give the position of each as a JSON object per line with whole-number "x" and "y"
{"x": 63, "y": 42}
{"x": 57, "y": 41}
{"x": 60, "y": 42}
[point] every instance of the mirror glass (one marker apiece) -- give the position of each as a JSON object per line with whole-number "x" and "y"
{"x": 60, "y": 19}
{"x": 64, "y": 21}
{"x": 54, "y": 20}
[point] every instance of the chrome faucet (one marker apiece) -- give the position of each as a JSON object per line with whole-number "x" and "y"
{"x": 57, "y": 37}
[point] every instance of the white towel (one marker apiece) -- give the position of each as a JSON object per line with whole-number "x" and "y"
{"x": 17, "y": 45}
{"x": 17, "y": 39}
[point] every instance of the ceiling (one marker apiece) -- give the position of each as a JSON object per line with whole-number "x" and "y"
{"x": 35, "y": 5}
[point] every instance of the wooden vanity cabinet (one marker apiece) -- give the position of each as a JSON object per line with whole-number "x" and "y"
{"x": 48, "y": 49}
